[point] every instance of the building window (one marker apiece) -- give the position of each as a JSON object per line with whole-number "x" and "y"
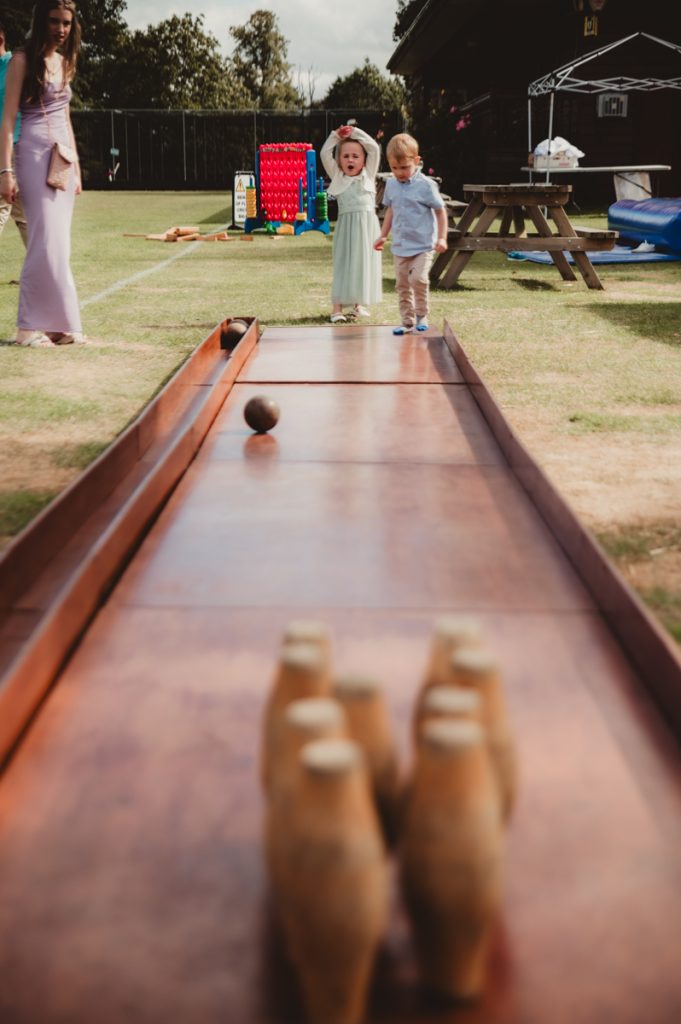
{"x": 613, "y": 104}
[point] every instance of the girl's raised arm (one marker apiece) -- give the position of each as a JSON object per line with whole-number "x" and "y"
{"x": 372, "y": 149}
{"x": 326, "y": 155}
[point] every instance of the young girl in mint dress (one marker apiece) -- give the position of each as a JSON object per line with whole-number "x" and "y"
{"x": 350, "y": 158}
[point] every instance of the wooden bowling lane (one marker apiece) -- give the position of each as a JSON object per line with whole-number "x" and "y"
{"x": 351, "y": 353}
{"x": 389, "y": 424}
{"x": 131, "y": 884}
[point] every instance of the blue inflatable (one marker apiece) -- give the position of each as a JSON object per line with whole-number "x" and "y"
{"x": 657, "y": 221}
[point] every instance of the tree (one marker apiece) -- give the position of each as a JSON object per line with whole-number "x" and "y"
{"x": 16, "y": 20}
{"x": 365, "y": 88}
{"x": 407, "y": 11}
{"x": 105, "y": 38}
{"x": 176, "y": 64}
{"x": 259, "y": 63}
{"x": 306, "y": 85}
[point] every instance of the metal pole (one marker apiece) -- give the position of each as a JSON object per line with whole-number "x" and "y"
{"x": 255, "y": 137}
{"x": 548, "y": 155}
{"x": 184, "y": 148}
{"x": 529, "y": 133}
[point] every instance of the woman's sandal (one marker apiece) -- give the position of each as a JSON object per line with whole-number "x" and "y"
{"x": 338, "y": 318}
{"x": 33, "y": 339}
{"x": 67, "y": 338}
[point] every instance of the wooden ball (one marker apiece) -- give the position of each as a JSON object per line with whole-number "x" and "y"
{"x": 232, "y": 332}
{"x": 261, "y": 413}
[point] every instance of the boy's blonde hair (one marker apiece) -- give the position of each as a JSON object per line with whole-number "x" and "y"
{"x": 402, "y": 147}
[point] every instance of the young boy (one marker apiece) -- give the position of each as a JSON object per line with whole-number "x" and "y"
{"x": 15, "y": 209}
{"x": 416, "y": 214}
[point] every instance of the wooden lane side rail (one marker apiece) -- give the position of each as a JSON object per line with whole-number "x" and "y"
{"x": 57, "y": 572}
{"x": 656, "y": 657}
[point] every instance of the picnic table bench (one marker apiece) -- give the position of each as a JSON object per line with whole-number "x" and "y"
{"x": 514, "y": 204}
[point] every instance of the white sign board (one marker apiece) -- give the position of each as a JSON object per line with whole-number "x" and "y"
{"x": 242, "y": 181}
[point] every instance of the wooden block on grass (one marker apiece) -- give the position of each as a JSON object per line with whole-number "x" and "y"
{"x": 194, "y": 230}
{"x": 173, "y": 234}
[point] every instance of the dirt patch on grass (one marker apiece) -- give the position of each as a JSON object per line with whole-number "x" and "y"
{"x": 625, "y": 292}
{"x": 33, "y": 472}
{"x": 612, "y": 480}
{"x": 649, "y": 558}
{"x": 647, "y": 573}
{"x": 626, "y": 490}
{"x": 24, "y": 464}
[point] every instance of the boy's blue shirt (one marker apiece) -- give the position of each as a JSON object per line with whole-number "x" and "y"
{"x": 4, "y": 64}
{"x": 414, "y": 228}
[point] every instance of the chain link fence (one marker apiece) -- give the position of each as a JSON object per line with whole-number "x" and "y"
{"x": 200, "y": 149}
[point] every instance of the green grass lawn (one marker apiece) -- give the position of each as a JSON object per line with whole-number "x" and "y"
{"x": 573, "y": 368}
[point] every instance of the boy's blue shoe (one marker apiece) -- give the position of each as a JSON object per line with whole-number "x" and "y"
{"x": 421, "y": 323}
{"x": 404, "y": 329}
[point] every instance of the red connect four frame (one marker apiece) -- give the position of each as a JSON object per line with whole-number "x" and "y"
{"x": 282, "y": 165}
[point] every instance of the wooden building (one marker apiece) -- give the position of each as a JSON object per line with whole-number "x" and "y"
{"x": 469, "y": 63}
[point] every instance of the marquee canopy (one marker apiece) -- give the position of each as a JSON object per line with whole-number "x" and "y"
{"x": 569, "y": 79}
{"x": 566, "y": 78}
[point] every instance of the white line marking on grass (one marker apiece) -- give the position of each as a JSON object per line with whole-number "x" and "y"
{"x": 187, "y": 247}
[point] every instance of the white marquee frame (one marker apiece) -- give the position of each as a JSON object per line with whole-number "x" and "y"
{"x": 565, "y": 79}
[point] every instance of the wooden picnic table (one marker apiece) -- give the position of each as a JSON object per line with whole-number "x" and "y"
{"x": 514, "y": 204}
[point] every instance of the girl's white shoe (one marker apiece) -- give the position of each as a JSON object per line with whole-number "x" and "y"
{"x": 338, "y": 318}
{"x": 360, "y": 310}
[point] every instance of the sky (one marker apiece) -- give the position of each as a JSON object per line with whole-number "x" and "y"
{"x": 326, "y": 38}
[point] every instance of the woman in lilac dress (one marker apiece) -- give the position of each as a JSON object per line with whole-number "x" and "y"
{"x": 38, "y": 85}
